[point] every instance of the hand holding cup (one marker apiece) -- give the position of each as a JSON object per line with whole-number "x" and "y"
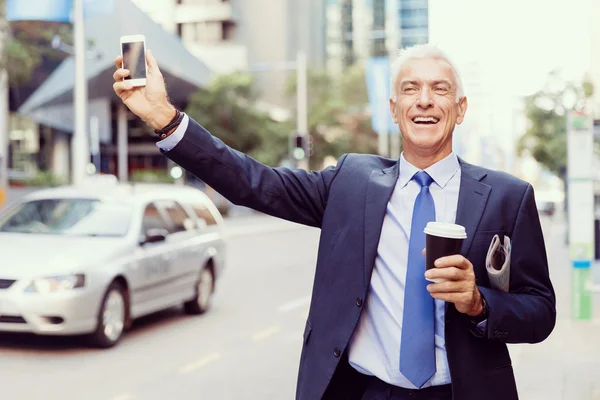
{"x": 452, "y": 274}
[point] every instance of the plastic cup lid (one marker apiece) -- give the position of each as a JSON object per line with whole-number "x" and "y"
{"x": 443, "y": 229}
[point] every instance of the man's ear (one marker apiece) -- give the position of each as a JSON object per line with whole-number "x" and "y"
{"x": 463, "y": 104}
{"x": 393, "y": 111}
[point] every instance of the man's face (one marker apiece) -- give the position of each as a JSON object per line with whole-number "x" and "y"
{"x": 426, "y": 108}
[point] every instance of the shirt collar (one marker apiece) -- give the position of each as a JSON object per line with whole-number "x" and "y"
{"x": 441, "y": 172}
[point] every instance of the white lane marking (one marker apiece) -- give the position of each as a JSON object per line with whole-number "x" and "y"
{"x": 292, "y": 305}
{"x": 193, "y": 366}
{"x": 267, "y": 228}
{"x": 266, "y": 333}
{"x": 123, "y": 397}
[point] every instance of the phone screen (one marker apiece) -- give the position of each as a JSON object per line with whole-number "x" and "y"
{"x": 134, "y": 59}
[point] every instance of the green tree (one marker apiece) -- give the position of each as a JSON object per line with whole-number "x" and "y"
{"x": 229, "y": 109}
{"x": 337, "y": 119}
{"x": 22, "y": 48}
{"x": 546, "y": 110}
{"x": 28, "y": 44}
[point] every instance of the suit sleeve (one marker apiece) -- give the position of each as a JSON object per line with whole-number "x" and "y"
{"x": 295, "y": 195}
{"x": 527, "y": 313}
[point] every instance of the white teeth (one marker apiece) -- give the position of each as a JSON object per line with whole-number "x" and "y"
{"x": 426, "y": 119}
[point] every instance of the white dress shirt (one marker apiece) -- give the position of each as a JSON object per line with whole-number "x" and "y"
{"x": 375, "y": 345}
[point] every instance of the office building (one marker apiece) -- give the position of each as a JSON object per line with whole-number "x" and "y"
{"x": 207, "y": 28}
{"x": 360, "y": 29}
{"x": 247, "y": 35}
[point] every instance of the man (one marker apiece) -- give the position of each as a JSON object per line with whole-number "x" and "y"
{"x": 364, "y": 339}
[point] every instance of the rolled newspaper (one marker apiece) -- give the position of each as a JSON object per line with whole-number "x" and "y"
{"x": 497, "y": 263}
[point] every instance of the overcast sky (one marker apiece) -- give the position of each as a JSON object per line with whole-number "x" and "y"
{"x": 520, "y": 40}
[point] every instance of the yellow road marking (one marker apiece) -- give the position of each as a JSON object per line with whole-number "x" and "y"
{"x": 193, "y": 366}
{"x": 123, "y": 397}
{"x": 266, "y": 333}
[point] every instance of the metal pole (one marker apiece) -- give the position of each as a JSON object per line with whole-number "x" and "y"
{"x": 384, "y": 143}
{"x": 4, "y": 126}
{"x": 123, "y": 169}
{"x": 95, "y": 141}
{"x": 80, "y": 148}
{"x": 4, "y": 141}
{"x": 302, "y": 99}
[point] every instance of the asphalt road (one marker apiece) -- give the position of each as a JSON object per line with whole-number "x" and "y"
{"x": 246, "y": 347}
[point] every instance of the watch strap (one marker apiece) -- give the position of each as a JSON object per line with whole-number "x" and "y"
{"x": 173, "y": 124}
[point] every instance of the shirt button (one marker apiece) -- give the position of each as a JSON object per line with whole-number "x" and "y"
{"x": 336, "y": 352}
{"x": 359, "y": 302}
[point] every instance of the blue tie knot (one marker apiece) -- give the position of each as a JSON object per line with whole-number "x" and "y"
{"x": 423, "y": 178}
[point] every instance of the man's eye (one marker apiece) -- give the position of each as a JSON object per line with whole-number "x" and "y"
{"x": 410, "y": 90}
{"x": 440, "y": 89}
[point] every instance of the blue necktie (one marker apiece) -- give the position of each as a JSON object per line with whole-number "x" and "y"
{"x": 417, "y": 349}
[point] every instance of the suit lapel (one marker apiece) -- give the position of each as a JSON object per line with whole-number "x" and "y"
{"x": 379, "y": 190}
{"x": 472, "y": 199}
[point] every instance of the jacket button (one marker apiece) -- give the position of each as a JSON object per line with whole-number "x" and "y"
{"x": 359, "y": 302}
{"x": 336, "y": 352}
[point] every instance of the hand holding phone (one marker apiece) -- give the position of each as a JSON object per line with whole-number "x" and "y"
{"x": 140, "y": 85}
{"x": 133, "y": 51}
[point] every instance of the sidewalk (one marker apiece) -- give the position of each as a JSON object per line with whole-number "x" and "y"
{"x": 566, "y": 366}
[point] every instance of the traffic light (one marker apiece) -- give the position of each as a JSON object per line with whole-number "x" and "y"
{"x": 299, "y": 148}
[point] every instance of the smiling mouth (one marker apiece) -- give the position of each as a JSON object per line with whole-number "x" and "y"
{"x": 425, "y": 120}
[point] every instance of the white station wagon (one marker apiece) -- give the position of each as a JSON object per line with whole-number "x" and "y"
{"x": 91, "y": 259}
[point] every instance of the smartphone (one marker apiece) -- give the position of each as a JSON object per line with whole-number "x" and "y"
{"x": 133, "y": 51}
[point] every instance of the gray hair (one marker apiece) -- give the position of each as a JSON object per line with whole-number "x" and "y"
{"x": 422, "y": 51}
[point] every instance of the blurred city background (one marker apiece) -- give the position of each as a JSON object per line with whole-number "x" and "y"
{"x": 294, "y": 84}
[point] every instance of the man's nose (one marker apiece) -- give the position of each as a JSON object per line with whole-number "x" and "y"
{"x": 425, "y": 99}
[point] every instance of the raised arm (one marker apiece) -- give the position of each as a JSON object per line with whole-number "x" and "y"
{"x": 295, "y": 195}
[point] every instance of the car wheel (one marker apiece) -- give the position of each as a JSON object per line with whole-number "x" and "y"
{"x": 204, "y": 293}
{"x": 112, "y": 317}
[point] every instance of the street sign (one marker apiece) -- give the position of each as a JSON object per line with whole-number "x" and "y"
{"x": 378, "y": 86}
{"x": 39, "y": 10}
{"x": 580, "y": 144}
{"x": 581, "y": 298}
{"x": 53, "y": 10}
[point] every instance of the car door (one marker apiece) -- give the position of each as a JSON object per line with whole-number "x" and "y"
{"x": 211, "y": 244}
{"x": 182, "y": 248}
{"x": 153, "y": 262}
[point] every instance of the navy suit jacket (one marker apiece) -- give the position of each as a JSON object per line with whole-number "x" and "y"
{"x": 348, "y": 202}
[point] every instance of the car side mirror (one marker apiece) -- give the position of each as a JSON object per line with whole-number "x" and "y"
{"x": 154, "y": 236}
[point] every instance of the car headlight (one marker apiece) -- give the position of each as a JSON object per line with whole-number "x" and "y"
{"x": 56, "y": 283}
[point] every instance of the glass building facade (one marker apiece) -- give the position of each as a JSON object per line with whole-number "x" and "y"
{"x": 360, "y": 29}
{"x": 414, "y": 22}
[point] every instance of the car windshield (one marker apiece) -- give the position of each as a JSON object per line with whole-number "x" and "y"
{"x": 76, "y": 217}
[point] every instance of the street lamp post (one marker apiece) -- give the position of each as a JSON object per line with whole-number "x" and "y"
{"x": 79, "y": 144}
{"x": 300, "y": 66}
{"x": 4, "y": 127}
{"x": 302, "y": 106}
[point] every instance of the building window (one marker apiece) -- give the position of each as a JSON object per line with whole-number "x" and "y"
{"x": 414, "y": 18}
{"x": 405, "y": 4}
{"x": 379, "y": 14}
{"x": 228, "y": 30}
